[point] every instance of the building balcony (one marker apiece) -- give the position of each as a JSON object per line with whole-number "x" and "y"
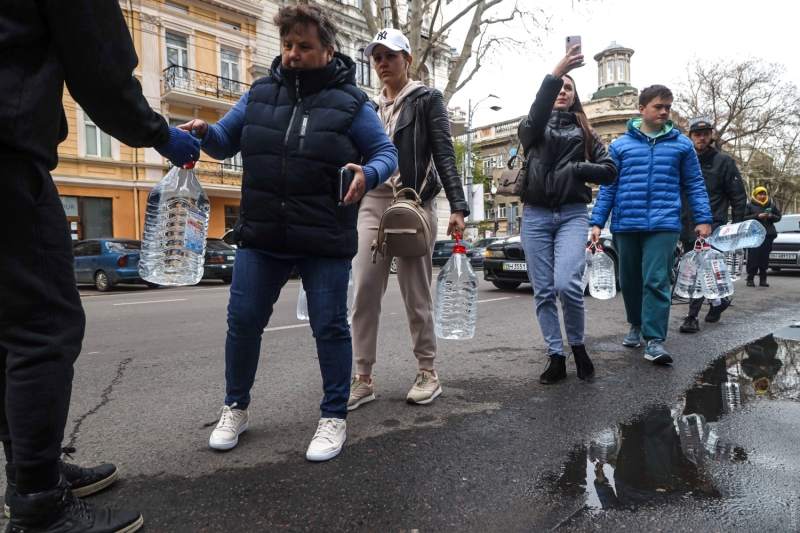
{"x": 212, "y": 172}
{"x": 185, "y": 86}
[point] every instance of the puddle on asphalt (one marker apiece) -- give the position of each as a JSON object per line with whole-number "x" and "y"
{"x": 661, "y": 456}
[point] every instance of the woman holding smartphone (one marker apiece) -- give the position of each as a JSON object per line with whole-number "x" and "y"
{"x": 564, "y": 154}
{"x": 415, "y": 118}
{"x": 761, "y": 208}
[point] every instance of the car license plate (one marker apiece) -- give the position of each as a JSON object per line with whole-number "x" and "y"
{"x": 515, "y": 266}
{"x": 783, "y": 256}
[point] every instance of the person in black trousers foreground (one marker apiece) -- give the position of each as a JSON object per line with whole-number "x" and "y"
{"x": 761, "y": 208}
{"x": 44, "y": 44}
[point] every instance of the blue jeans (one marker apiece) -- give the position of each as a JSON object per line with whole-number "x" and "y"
{"x": 554, "y": 241}
{"x": 258, "y": 279}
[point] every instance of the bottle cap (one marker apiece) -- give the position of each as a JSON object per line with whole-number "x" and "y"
{"x": 190, "y": 165}
{"x": 459, "y": 248}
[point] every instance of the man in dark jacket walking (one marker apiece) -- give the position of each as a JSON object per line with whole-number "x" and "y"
{"x": 44, "y": 44}
{"x": 725, "y": 191}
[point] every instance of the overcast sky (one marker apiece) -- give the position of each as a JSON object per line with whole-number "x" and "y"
{"x": 664, "y": 34}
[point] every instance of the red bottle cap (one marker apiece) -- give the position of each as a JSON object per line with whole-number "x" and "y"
{"x": 190, "y": 165}
{"x": 459, "y": 248}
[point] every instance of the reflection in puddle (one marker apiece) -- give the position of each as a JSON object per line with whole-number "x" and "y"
{"x": 661, "y": 456}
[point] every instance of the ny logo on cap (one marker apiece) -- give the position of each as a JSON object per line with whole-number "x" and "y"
{"x": 381, "y": 36}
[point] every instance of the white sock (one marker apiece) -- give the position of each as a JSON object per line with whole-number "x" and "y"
{"x": 715, "y": 302}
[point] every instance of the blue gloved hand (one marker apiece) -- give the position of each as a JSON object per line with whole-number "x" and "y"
{"x": 181, "y": 148}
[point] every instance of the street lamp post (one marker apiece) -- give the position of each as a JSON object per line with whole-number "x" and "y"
{"x": 470, "y": 111}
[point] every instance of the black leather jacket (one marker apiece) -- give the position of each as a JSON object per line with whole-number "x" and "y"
{"x": 725, "y": 189}
{"x": 554, "y": 148}
{"x": 422, "y": 136}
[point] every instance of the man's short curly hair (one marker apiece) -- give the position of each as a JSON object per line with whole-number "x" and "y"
{"x": 308, "y": 14}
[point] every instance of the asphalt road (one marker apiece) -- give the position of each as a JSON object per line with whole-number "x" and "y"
{"x": 491, "y": 454}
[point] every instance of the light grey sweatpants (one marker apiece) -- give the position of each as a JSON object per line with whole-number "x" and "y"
{"x": 370, "y": 280}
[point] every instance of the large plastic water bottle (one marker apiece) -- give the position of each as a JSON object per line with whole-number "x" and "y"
{"x": 456, "y": 306}
{"x": 302, "y": 303}
{"x": 302, "y": 300}
{"x": 734, "y": 260}
{"x": 693, "y": 432}
{"x": 175, "y": 230}
{"x": 747, "y": 234}
{"x": 687, "y": 283}
{"x": 602, "y": 277}
{"x": 714, "y": 274}
{"x": 587, "y": 268}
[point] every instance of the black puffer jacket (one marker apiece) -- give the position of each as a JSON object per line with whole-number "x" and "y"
{"x": 422, "y": 135}
{"x": 554, "y": 147}
{"x": 753, "y": 209}
{"x": 725, "y": 189}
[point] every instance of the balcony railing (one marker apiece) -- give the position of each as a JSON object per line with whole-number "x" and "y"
{"x": 218, "y": 173}
{"x": 202, "y": 83}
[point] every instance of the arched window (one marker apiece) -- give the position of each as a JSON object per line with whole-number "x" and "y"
{"x": 424, "y": 75}
{"x": 363, "y": 70}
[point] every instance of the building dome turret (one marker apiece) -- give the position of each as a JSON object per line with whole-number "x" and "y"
{"x": 613, "y": 71}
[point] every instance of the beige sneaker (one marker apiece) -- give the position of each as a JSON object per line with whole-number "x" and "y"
{"x": 232, "y": 423}
{"x": 361, "y": 392}
{"x": 328, "y": 440}
{"x": 426, "y": 388}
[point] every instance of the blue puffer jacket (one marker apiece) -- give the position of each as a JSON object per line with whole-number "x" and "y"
{"x": 646, "y": 196}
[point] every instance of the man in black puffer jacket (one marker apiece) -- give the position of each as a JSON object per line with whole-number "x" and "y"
{"x": 725, "y": 191}
{"x": 43, "y": 45}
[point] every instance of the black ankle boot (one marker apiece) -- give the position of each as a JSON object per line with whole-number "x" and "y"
{"x": 582, "y": 362}
{"x": 763, "y": 283}
{"x": 58, "y": 511}
{"x": 556, "y": 370}
{"x": 750, "y": 282}
{"x": 11, "y": 486}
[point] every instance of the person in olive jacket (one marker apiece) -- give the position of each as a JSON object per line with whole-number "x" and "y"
{"x": 564, "y": 154}
{"x": 415, "y": 119}
{"x": 761, "y": 208}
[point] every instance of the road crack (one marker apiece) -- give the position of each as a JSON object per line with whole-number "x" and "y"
{"x": 104, "y": 399}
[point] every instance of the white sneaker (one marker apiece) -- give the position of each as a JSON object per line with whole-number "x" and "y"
{"x": 232, "y": 423}
{"x": 328, "y": 440}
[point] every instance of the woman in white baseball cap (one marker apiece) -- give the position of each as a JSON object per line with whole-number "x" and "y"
{"x": 416, "y": 120}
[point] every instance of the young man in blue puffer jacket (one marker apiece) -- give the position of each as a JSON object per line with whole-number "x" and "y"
{"x": 655, "y": 164}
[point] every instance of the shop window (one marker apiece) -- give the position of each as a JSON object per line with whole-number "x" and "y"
{"x": 89, "y": 218}
{"x": 363, "y": 70}
{"x": 231, "y": 216}
{"x": 98, "y": 143}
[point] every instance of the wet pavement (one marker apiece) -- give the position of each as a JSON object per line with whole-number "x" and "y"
{"x": 497, "y": 451}
{"x": 734, "y": 423}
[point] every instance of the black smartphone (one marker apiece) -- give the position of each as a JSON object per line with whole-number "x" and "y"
{"x": 345, "y": 179}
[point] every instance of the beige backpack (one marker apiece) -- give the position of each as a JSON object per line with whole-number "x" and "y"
{"x": 404, "y": 230}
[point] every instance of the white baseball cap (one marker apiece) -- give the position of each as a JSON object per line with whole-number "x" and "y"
{"x": 390, "y": 38}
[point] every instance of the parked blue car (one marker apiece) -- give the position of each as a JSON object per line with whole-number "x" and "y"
{"x": 107, "y": 262}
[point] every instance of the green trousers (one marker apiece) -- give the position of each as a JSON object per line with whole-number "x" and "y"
{"x": 645, "y": 262}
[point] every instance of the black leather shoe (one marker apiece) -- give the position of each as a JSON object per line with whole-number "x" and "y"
{"x": 86, "y": 481}
{"x": 58, "y": 511}
{"x": 750, "y": 282}
{"x": 690, "y": 324}
{"x": 82, "y": 481}
{"x": 582, "y": 362}
{"x": 763, "y": 283}
{"x": 716, "y": 310}
{"x": 556, "y": 370}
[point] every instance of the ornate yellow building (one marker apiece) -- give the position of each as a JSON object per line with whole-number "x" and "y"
{"x": 195, "y": 59}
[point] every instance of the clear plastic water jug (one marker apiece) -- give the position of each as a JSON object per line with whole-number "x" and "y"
{"x": 747, "y": 234}
{"x": 731, "y": 397}
{"x": 602, "y": 277}
{"x": 175, "y": 230}
{"x": 456, "y": 306}
{"x": 586, "y": 268}
{"x": 687, "y": 282}
{"x": 302, "y": 300}
{"x": 714, "y": 274}
{"x": 735, "y": 263}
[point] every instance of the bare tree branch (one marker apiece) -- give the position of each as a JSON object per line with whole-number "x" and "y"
{"x": 369, "y": 16}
